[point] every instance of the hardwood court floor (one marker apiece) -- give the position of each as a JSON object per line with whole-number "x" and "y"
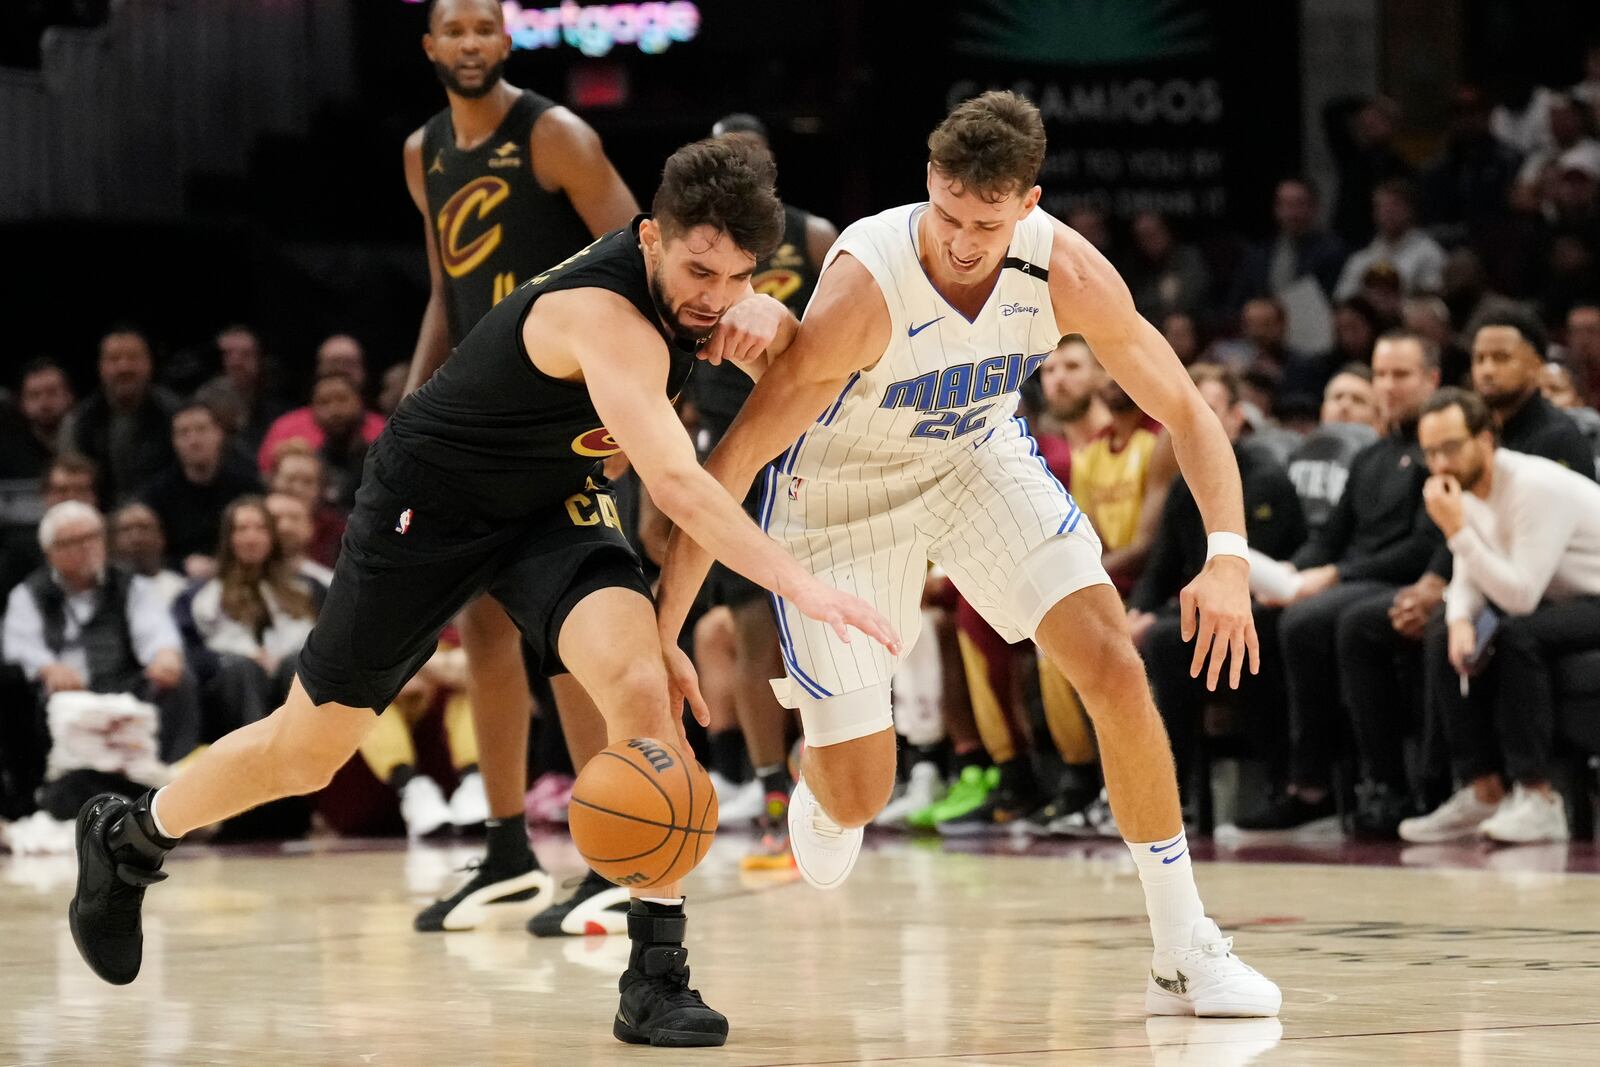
{"x": 928, "y": 957}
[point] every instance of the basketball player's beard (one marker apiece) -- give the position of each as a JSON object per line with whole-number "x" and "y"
{"x": 687, "y": 336}
{"x": 491, "y": 78}
{"x": 1074, "y": 409}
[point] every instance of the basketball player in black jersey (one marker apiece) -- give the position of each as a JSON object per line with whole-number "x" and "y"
{"x": 508, "y": 184}
{"x": 788, "y": 275}
{"x": 486, "y": 479}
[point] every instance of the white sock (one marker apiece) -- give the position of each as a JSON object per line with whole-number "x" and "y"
{"x": 155, "y": 814}
{"x": 1170, "y": 895}
{"x": 670, "y": 902}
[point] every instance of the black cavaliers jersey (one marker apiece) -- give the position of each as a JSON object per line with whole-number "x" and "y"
{"x": 498, "y": 434}
{"x": 790, "y": 276}
{"x": 495, "y": 225}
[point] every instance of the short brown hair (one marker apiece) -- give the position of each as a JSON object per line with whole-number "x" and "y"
{"x": 1226, "y": 377}
{"x": 1430, "y": 347}
{"x": 728, "y": 183}
{"x": 1473, "y": 408}
{"x": 992, "y": 144}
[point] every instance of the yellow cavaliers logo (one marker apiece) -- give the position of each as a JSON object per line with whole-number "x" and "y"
{"x": 476, "y": 199}
{"x": 777, "y": 283}
{"x": 597, "y": 442}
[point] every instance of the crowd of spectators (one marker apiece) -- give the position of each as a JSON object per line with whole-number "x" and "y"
{"x": 176, "y": 548}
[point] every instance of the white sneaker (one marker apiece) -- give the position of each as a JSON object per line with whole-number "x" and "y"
{"x": 924, "y": 787}
{"x": 724, "y": 788}
{"x": 469, "y": 804}
{"x": 1527, "y": 816}
{"x": 1208, "y": 980}
{"x": 1457, "y": 819}
{"x": 1095, "y": 820}
{"x": 824, "y": 851}
{"x": 423, "y": 807}
{"x": 747, "y": 802}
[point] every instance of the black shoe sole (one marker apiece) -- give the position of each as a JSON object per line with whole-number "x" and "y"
{"x": 86, "y": 819}
{"x": 667, "y": 1038}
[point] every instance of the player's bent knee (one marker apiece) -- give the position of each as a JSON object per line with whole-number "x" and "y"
{"x": 833, "y": 720}
{"x": 634, "y": 698}
{"x": 306, "y": 746}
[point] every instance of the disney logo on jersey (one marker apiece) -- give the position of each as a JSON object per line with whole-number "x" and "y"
{"x": 1007, "y": 310}
{"x": 475, "y": 200}
{"x": 597, "y": 442}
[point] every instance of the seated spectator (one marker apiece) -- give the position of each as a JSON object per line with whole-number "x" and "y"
{"x": 1467, "y": 184}
{"x": 1356, "y": 327}
{"x": 1164, "y": 276}
{"x": 393, "y": 389}
{"x": 1416, "y": 256}
{"x": 69, "y": 477}
{"x": 76, "y": 624}
{"x": 1320, "y": 466}
{"x": 189, "y": 497}
{"x": 1525, "y": 535}
{"x": 1468, "y": 295}
{"x": 1300, "y": 248}
{"x": 1555, "y": 382}
{"x": 1183, "y": 334}
{"x": 244, "y": 628}
{"x": 1382, "y": 287}
{"x": 27, "y": 446}
{"x": 1583, "y": 351}
{"x": 299, "y": 473}
{"x": 1092, "y": 223}
{"x": 1274, "y": 526}
{"x": 336, "y": 405}
{"x": 291, "y": 518}
{"x": 1507, "y": 359}
{"x": 125, "y": 427}
{"x": 139, "y": 546}
{"x": 339, "y": 354}
{"x": 1360, "y": 134}
{"x": 245, "y": 375}
{"x": 1377, "y": 539}
{"x": 1430, "y": 316}
{"x": 1568, "y": 130}
{"x": 1264, "y": 324}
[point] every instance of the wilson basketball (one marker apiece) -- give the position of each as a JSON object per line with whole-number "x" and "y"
{"x": 642, "y": 813}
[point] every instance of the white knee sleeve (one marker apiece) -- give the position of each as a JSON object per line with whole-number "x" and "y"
{"x": 1056, "y": 569}
{"x": 837, "y": 719}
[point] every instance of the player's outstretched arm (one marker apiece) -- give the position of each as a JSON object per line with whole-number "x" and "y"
{"x": 846, "y": 329}
{"x": 624, "y": 366}
{"x": 433, "y": 338}
{"x": 1090, "y": 298}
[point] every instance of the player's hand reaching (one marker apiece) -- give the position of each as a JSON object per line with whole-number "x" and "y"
{"x": 1216, "y": 616}
{"x": 843, "y": 612}
{"x": 747, "y": 329}
{"x": 683, "y": 683}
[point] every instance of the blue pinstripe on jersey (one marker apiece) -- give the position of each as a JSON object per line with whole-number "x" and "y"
{"x": 785, "y": 641}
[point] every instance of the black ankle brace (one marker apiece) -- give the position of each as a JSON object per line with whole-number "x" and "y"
{"x": 136, "y": 832}
{"x": 656, "y": 931}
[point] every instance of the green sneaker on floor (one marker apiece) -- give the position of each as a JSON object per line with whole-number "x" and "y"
{"x": 966, "y": 794}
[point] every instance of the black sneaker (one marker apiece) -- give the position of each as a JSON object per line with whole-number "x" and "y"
{"x": 117, "y": 860}
{"x": 1287, "y": 812}
{"x": 468, "y": 907}
{"x": 658, "y": 1007}
{"x": 1379, "y": 812}
{"x": 596, "y": 907}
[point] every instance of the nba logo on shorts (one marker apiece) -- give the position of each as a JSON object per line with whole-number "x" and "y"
{"x": 405, "y": 522}
{"x": 794, "y": 488}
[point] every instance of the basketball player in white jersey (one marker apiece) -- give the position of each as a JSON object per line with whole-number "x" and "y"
{"x": 893, "y": 413}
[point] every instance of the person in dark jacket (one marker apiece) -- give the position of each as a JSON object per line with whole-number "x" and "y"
{"x": 189, "y": 497}
{"x": 1300, "y": 248}
{"x": 1378, "y": 538}
{"x": 126, "y": 425}
{"x": 1275, "y": 525}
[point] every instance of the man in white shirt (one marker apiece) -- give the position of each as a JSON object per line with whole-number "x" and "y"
{"x": 76, "y": 624}
{"x": 1399, "y": 243}
{"x": 1525, "y": 536}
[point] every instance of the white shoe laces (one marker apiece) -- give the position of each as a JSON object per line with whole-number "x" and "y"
{"x": 823, "y": 826}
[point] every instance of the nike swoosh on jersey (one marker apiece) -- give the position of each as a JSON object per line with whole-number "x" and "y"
{"x": 914, "y": 330}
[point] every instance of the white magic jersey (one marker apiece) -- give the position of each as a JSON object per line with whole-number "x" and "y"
{"x": 944, "y": 382}
{"x": 921, "y": 458}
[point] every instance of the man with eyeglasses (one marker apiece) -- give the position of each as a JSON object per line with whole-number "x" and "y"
{"x": 1525, "y": 536}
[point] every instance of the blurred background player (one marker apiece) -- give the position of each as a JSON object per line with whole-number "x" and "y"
{"x": 508, "y": 184}
{"x": 719, "y": 391}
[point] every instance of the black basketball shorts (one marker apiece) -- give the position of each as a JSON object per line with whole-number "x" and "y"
{"x": 413, "y": 555}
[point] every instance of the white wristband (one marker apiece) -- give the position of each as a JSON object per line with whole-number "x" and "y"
{"x": 1224, "y": 543}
